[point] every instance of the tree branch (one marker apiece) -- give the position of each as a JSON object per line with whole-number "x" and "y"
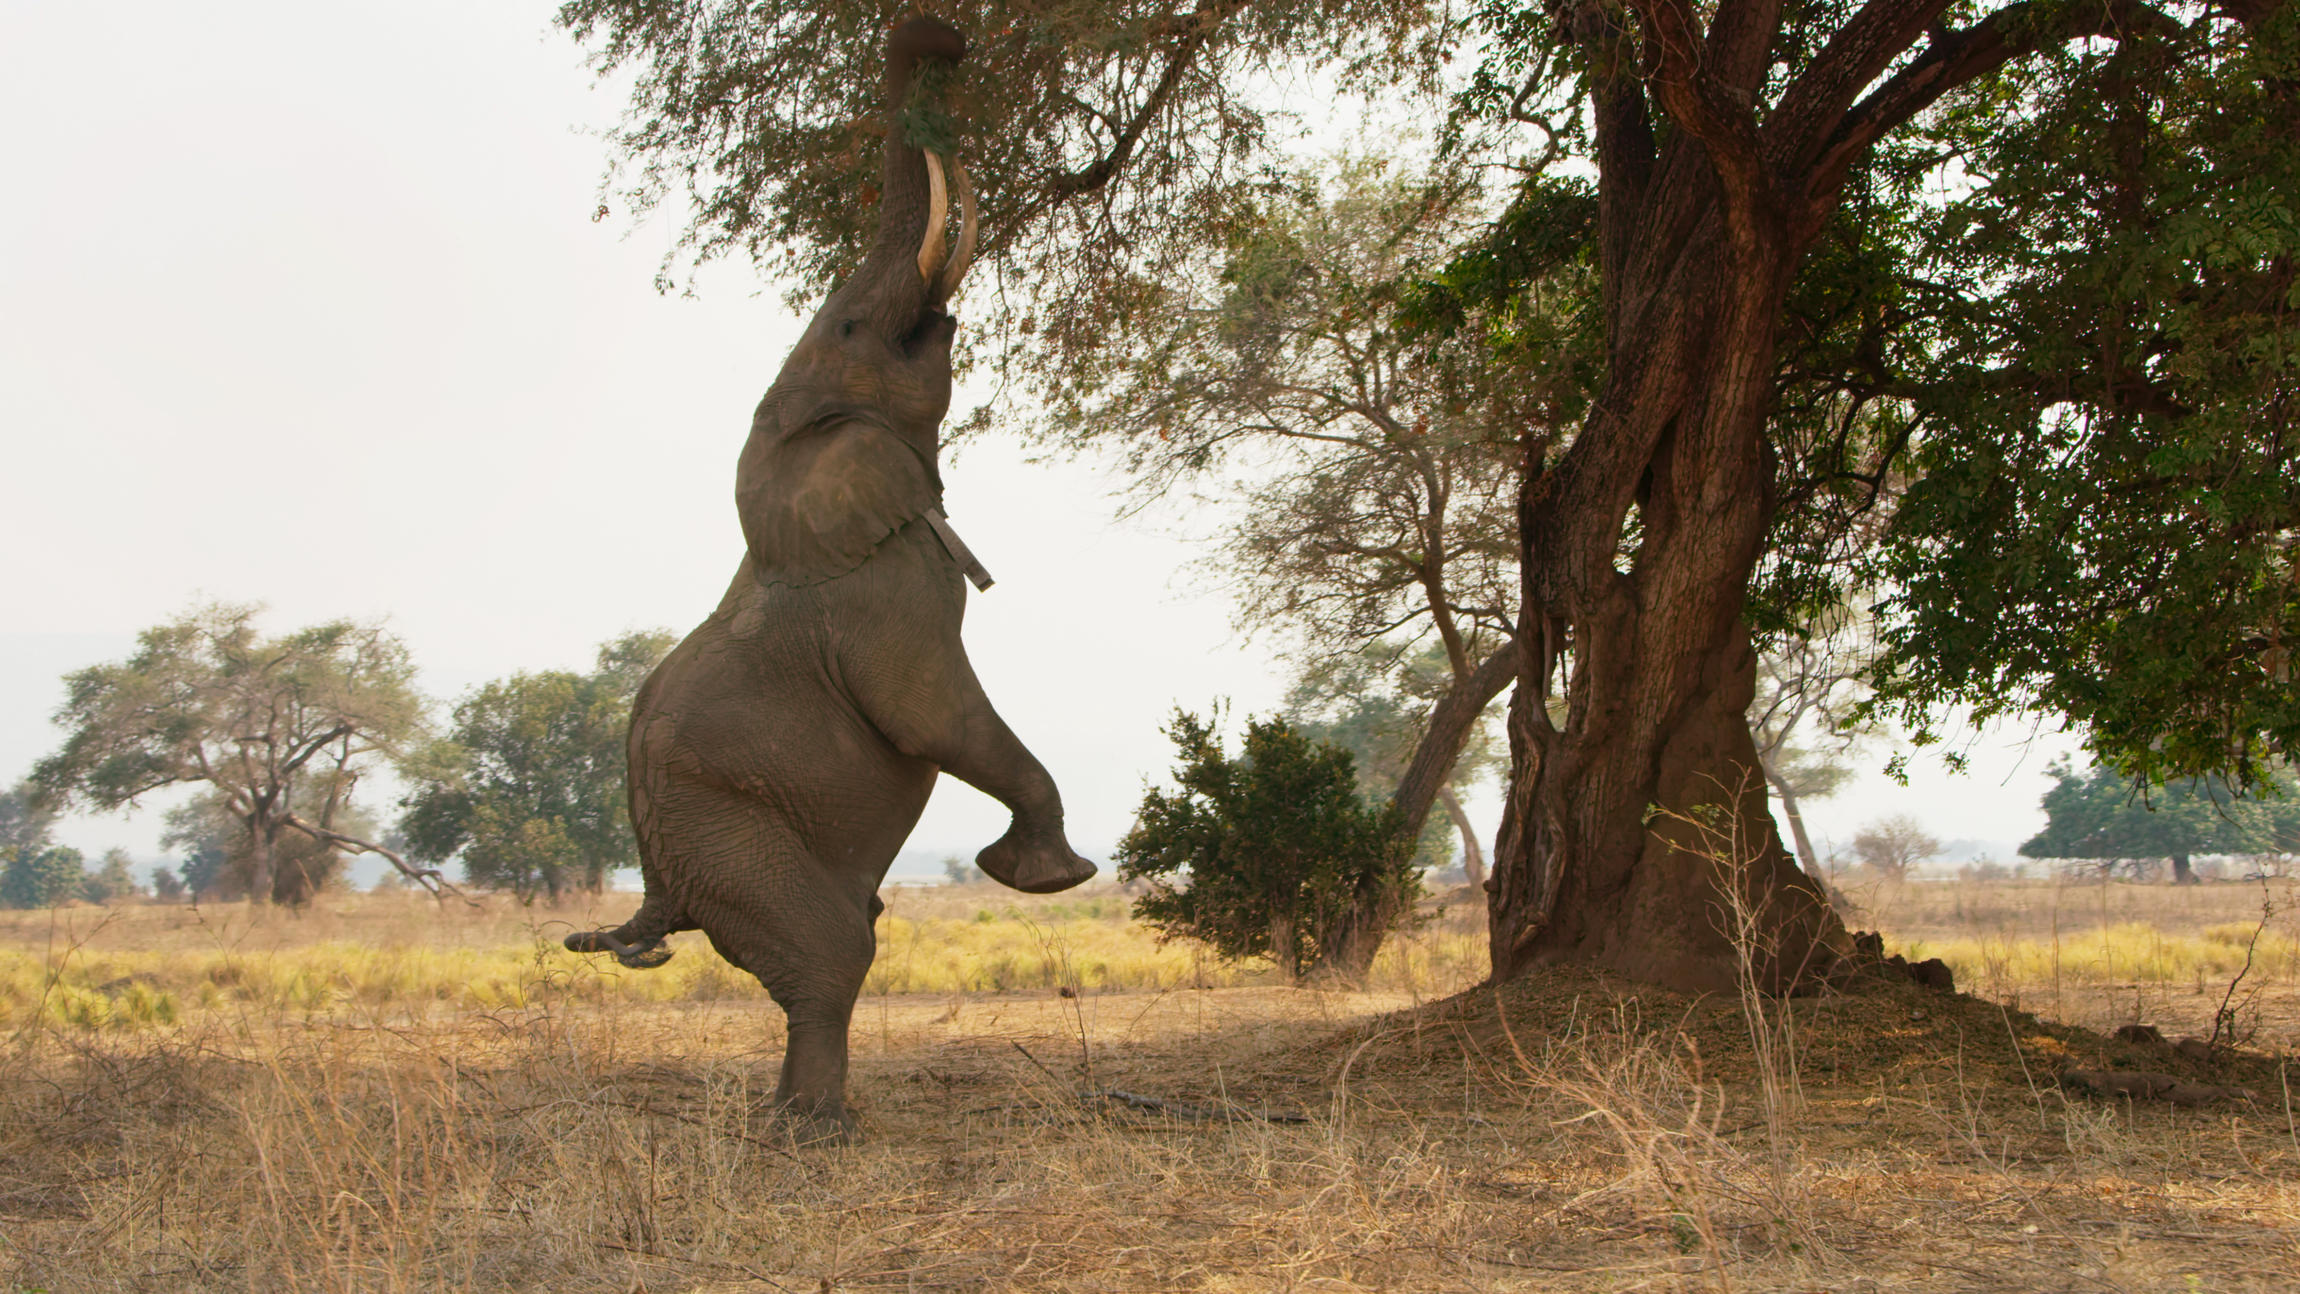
{"x": 1448, "y": 729}
{"x": 427, "y": 877}
{"x": 1692, "y": 95}
{"x": 1954, "y": 59}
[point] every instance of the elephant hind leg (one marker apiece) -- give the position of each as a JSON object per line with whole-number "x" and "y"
{"x": 801, "y": 927}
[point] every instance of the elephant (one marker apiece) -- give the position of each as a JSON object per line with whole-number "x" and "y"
{"x": 782, "y": 752}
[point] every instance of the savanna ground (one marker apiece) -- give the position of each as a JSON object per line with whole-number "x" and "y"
{"x": 384, "y": 1094}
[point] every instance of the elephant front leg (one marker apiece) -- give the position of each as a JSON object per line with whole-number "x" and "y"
{"x": 932, "y": 707}
{"x": 1033, "y": 856}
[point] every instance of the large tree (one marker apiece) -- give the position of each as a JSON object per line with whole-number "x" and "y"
{"x": 527, "y": 785}
{"x": 2017, "y": 249}
{"x": 278, "y": 730}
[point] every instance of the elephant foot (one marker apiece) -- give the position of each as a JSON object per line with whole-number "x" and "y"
{"x": 1039, "y": 866}
{"x": 812, "y": 1126}
{"x": 644, "y": 955}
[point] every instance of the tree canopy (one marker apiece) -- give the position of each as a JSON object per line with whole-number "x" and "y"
{"x": 527, "y": 785}
{"x": 2097, "y": 816}
{"x": 278, "y": 730}
{"x": 42, "y": 877}
{"x": 1268, "y": 853}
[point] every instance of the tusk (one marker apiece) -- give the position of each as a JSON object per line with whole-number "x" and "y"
{"x": 937, "y": 211}
{"x": 968, "y": 227}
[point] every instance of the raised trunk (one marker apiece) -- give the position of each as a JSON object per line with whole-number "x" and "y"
{"x": 888, "y": 285}
{"x": 1472, "y": 858}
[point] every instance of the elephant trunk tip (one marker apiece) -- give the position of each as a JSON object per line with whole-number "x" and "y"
{"x": 923, "y": 38}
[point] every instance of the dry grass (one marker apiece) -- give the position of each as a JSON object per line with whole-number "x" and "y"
{"x": 582, "y": 1134}
{"x": 2103, "y": 954}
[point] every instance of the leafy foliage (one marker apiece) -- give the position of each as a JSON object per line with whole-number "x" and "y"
{"x": 1375, "y": 473}
{"x": 2106, "y": 517}
{"x": 41, "y": 878}
{"x": 1376, "y": 704}
{"x": 168, "y": 885}
{"x": 527, "y": 786}
{"x": 1263, "y": 855}
{"x": 111, "y": 881}
{"x": 1108, "y": 139}
{"x": 2096, "y": 815}
{"x": 24, "y": 820}
{"x": 278, "y": 730}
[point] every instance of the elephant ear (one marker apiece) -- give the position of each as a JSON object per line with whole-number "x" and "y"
{"x": 819, "y": 501}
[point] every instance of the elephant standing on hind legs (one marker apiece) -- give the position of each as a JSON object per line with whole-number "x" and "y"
{"x": 782, "y": 753}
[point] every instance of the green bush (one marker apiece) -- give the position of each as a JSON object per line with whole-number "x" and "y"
{"x": 1270, "y": 854}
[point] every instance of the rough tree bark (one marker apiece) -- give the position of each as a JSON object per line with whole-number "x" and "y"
{"x": 1700, "y": 228}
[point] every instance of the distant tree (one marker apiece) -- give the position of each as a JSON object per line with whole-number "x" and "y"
{"x": 527, "y": 786}
{"x": 220, "y": 864}
{"x": 278, "y": 729}
{"x": 205, "y": 839}
{"x": 1895, "y": 844}
{"x": 2099, "y": 816}
{"x": 961, "y": 871}
{"x": 1805, "y": 718}
{"x": 168, "y": 885}
{"x": 1269, "y": 854}
{"x": 24, "y": 820}
{"x": 111, "y": 881}
{"x": 1376, "y": 703}
{"x": 41, "y": 878}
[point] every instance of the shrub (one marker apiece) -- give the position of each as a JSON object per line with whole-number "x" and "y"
{"x": 1265, "y": 855}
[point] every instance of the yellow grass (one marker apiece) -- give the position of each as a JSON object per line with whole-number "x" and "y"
{"x": 139, "y": 966}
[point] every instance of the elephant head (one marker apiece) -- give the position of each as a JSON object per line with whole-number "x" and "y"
{"x": 842, "y": 449}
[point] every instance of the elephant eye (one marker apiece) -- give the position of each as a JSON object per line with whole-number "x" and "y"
{"x": 847, "y": 329}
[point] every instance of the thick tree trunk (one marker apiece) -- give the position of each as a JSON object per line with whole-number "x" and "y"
{"x": 2182, "y": 873}
{"x": 1633, "y": 833}
{"x": 1472, "y": 858}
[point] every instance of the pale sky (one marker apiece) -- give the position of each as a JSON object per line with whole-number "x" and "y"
{"x": 303, "y": 304}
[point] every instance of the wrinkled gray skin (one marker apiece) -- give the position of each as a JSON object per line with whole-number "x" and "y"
{"x": 783, "y": 752}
